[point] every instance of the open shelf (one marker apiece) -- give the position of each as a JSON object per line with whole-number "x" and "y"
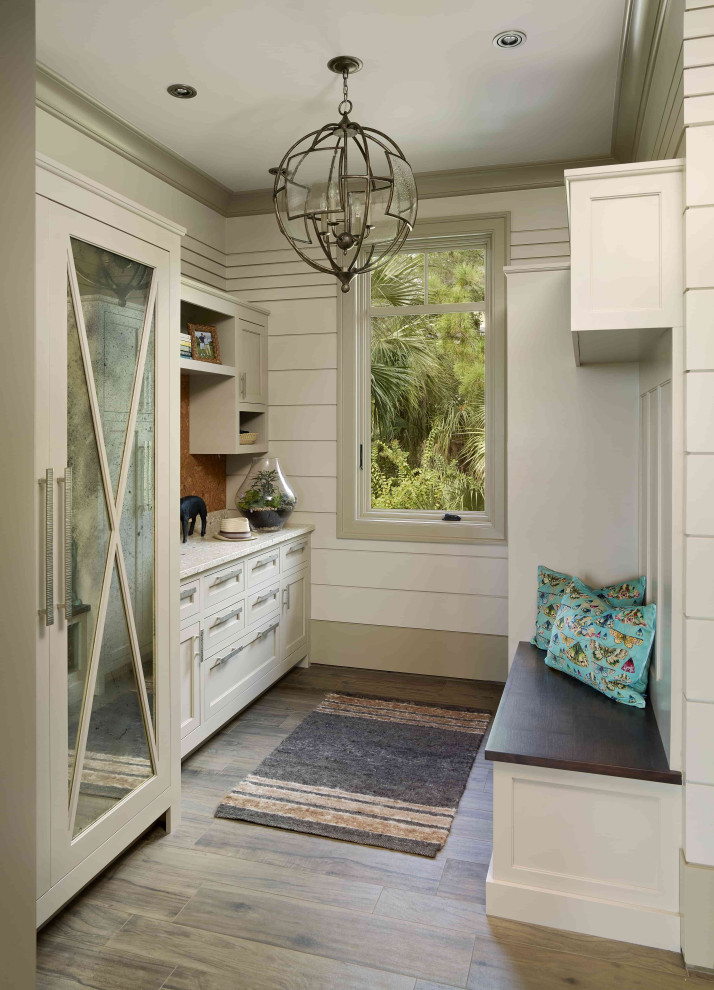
{"x": 192, "y": 367}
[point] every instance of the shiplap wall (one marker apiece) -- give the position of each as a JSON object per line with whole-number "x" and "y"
{"x": 203, "y": 248}
{"x": 661, "y": 124}
{"x": 457, "y": 589}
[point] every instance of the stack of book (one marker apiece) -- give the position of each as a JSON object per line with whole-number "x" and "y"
{"x": 185, "y": 345}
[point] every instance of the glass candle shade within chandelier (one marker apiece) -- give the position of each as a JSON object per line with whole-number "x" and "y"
{"x": 345, "y": 190}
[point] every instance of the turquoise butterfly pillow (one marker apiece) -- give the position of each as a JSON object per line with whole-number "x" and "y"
{"x": 608, "y": 648}
{"x": 552, "y": 588}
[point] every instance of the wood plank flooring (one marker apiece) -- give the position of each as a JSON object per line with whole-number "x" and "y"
{"x": 223, "y": 905}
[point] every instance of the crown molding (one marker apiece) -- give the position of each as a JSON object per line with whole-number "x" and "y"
{"x": 69, "y": 104}
{"x": 453, "y": 182}
{"x": 641, "y": 36}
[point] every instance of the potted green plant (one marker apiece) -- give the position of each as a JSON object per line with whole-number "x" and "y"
{"x": 265, "y": 498}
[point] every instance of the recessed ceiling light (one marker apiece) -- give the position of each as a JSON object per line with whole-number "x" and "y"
{"x": 509, "y": 39}
{"x": 181, "y": 91}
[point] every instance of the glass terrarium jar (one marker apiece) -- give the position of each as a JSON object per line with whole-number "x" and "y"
{"x": 265, "y": 498}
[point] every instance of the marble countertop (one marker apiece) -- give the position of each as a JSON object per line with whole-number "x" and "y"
{"x": 201, "y": 554}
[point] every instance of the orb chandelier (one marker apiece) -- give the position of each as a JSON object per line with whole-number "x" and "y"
{"x": 345, "y": 190}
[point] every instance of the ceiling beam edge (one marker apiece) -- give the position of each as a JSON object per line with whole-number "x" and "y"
{"x": 642, "y": 31}
{"x": 69, "y": 104}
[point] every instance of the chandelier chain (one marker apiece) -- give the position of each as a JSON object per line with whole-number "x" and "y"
{"x": 345, "y": 106}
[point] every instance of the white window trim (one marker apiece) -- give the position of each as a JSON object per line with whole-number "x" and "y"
{"x": 356, "y": 519}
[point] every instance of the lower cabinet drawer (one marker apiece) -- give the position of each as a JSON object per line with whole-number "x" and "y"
{"x": 190, "y": 599}
{"x": 221, "y": 586}
{"x": 261, "y": 604}
{"x": 223, "y": 625}
{"x": 232, "y": 669}
{"x": 265, "y": 567}
{"x": 294, "y": 555}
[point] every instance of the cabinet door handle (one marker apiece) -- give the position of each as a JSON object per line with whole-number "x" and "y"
{"x": 224, "y": 618}
{"x": 221, "y": 579}
{"x": 298, "y": 548}
{"x": 263, "y": 563}
{"x": 188, "y": 593}
{"x": 200, "y": 646}
{"x": 68, "y": 596}
{"x": 286, "y": 597}
{"x": 49, "y": 609}
{"x": 266, "y": 597}
{"x": 243, "y": 384}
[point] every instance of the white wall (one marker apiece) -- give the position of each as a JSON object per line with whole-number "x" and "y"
{"x": 18, "y": 523}
{"x": 697, "y": 527}
{"x": 203, "y": 248}
{"x": 454, "y": 589}
{"x": 572, "y": 452}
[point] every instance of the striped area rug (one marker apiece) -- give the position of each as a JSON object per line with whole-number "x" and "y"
{"x": 377, "y": 771}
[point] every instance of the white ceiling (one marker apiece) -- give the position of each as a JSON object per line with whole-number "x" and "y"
{"x": 431, "y": 79}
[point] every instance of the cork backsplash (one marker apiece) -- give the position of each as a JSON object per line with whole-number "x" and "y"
{"x": 201, "y": 474}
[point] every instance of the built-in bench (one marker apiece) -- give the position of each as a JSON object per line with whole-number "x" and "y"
{"x": 548, "y": 719}
{"x": 586, "y": 820}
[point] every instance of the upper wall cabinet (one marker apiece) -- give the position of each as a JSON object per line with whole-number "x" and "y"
{"x": 253, "y": 351}
{"x": 228, "y": 401}
{"x": 626, "y": 257}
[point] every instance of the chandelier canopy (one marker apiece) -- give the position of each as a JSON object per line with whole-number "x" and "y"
{"x": 346, "y": 190}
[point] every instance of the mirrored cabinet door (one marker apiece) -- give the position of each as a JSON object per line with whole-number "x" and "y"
{"x": 105, "y": 621}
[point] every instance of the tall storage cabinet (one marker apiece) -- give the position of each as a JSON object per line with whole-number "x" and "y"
{"x": 107, "y": 463}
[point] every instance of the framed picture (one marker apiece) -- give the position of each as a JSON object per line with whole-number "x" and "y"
{"x": 204, "y": 344}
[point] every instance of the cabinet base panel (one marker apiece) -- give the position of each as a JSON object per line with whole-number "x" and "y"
{"x": 69, "y": 886}
{"x": 584, "y": 915}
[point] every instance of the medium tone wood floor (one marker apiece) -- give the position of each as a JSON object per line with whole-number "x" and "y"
{"x": 224, "y": 905}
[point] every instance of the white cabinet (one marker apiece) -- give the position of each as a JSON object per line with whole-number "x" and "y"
{"x": 227, "y": 399}
{"x": 253, "y": 357}
{"x": 108, "y": 727}
{"x": 295, "y": 611}
{"x": 252, "y": 626}
{"x": 189, "y": 662}
{"x": 626, "y": 257}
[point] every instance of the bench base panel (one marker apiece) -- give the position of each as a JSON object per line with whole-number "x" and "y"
{"x": 586, "y": 853}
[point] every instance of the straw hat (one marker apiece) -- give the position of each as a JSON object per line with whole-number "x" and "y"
{"x": 235, "y": 528}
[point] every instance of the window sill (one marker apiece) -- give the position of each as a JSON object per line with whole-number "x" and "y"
{"x": 378, "y": 526}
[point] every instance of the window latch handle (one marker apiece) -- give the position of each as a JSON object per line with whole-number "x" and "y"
{"x": 450, "y": 517}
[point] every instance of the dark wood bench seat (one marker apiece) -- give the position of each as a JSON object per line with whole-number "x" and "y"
{"x": 548, "y": 719}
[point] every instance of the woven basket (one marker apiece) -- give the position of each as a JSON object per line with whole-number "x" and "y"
{"x": 246, "y": 439}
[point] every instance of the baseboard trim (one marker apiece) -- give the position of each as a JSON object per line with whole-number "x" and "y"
{"x": 475, "y": 656}
{"x": 584, "y": 915}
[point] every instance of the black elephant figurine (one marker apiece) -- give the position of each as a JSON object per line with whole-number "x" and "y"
{"x": 192, "y": 506}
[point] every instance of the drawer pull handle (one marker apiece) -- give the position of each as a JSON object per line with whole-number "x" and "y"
{"x": 224, "y": 618}
{"x": 222, "y": 578}
{"x": 266, "y": 597}
{"x": 188, "y": 593}
{"x": 298, "y": 548}
{"x": 264, "y": 633}
{"x": 229, "y": 656}
{"x": 263, "y": 563}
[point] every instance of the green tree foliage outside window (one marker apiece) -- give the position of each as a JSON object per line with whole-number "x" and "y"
{"x": 428, "y": 384}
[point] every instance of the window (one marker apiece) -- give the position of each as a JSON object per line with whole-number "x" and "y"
{"x": 422, "y": 389}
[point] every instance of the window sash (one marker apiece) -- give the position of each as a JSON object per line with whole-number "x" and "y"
{"x": 356, "y": 517}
